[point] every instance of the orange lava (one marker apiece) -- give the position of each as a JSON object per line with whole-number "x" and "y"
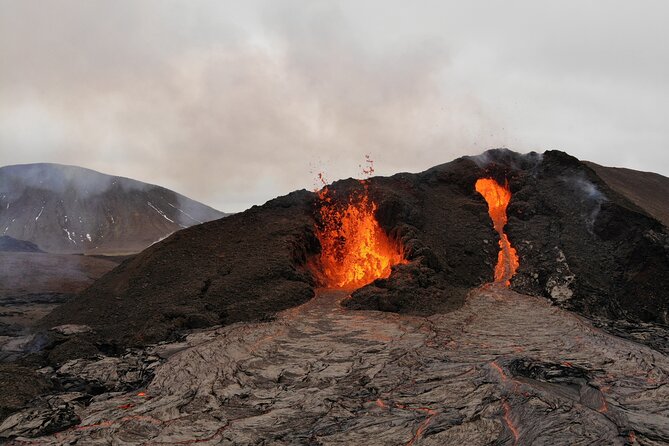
{"x": 498, "y": 198}
{"x": 509, "y": 422}
{"x": 381, "y": 404}
{"x": 603, "y": 408}
{"x": 499, "y": 370}
{"x": 355, "y": 250}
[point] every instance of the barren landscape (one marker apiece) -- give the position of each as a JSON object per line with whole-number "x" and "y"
{"x": 334, "y": 223}
{"x": 504, "y": 369}
{"x": 497, "y": 299}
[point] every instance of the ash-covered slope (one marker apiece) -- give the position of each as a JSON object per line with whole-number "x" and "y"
{"x": 648, "y": 190}
{"x": 580, "y": 243}
{"x": 246, "y": 266}
{"x": 68, "y": 209}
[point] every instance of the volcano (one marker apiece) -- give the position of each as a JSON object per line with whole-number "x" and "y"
{"x": 518, "y": 299}
{"x": 578, "y": 242}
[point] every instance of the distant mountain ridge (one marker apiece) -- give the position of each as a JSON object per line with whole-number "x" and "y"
{"x": 10, "y": 244}
{"x": 69, "y": 209}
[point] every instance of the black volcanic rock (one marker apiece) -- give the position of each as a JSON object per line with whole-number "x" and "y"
{"x": 253, "y": 264}
{"x": 10, "y": 244}
{"x": 503, "y": 368}
{"x": 584, "y": 245}
{"x": 19, "y": 385}
{"x": 68, "y": 209}
{"x": 580, "y": 243}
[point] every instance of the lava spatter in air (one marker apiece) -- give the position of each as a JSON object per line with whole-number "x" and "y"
{"x": 498, "y": 197}
{"x": 355, "y": 250}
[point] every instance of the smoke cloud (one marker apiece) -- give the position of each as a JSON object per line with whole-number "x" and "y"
{"x": 591, "y": 198}
{"x": 235, "y": 105}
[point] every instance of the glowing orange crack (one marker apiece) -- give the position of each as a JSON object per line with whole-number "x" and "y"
{"x": 509, "y": 422}
{"x": 499, "y": 370}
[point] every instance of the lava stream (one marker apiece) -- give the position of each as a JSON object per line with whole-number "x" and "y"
{"x": 498, "y": 198}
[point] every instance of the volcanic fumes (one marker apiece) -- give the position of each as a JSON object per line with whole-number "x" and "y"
{"x": 355, "y": 250}
{"x": 498, "y": 197}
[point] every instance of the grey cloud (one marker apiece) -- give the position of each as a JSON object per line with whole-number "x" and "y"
{"x": 234, "y": 104}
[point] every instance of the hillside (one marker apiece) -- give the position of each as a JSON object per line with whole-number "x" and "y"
{"x": 68, "y": 209}
{"x": 648, "y": 190}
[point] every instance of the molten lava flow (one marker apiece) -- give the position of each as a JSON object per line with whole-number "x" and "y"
{"x": 354, "y": 249}
{"x": 498, "y": 198}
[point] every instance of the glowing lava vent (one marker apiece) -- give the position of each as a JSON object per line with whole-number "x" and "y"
{"x": 498, "y": 198}
{"x": 354, "y": 249}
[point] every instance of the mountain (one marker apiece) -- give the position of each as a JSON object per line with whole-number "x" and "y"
{"x": 10, "y": 244}
{"x": 68, "y": 209}
{"x": 580, "y": 244}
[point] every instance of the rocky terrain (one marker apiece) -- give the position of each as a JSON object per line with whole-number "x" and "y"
{"x": 504, "y": 368}
{"x": 68, "y": 209}
{"x": 222, "y": 334}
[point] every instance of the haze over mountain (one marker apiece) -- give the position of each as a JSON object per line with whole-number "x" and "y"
{"x": 69, "y": 209}
{"x": 10, "y": 244}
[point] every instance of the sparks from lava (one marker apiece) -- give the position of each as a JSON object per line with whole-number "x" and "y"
{"x": 368, "y": 169}
{"x": 498, "y": 197}
{"x": 355, "y": 250}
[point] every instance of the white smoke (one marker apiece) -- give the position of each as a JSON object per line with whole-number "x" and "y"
{"x": 591, "y": 197}
{"x": 516, "y": 161}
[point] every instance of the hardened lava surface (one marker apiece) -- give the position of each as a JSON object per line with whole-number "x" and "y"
{"x": 504, "y": 368}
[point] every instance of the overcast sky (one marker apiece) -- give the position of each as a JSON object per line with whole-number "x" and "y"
{"x": 235, "y": 102}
